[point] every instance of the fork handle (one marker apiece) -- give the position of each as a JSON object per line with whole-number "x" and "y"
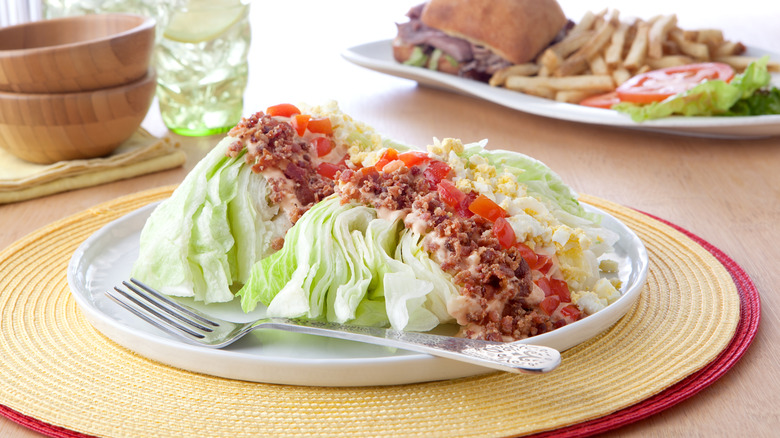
{"x": 512, "y": 356}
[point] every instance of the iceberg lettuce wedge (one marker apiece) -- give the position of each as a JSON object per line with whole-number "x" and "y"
{"x": 212, "y": 230}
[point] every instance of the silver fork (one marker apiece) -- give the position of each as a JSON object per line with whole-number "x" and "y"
{"x": 197, "y": 328}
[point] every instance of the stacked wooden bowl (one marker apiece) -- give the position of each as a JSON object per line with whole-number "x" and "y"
{"x": 75, "y": 87}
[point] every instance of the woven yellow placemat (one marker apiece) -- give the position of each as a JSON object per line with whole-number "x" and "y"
{"x": 56, "y": 368}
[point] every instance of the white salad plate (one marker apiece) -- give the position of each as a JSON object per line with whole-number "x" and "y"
{"x": 378, "y": 56}
{"x": 105, "y": 260}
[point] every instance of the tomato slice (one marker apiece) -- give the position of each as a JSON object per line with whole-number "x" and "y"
{"x": 602, "y": 100}
{"x": 487, "y": 208}
{"x": 283, "y": 110}
{"x": 657, "y": 85}
{"x": 300, "y": 122}
{"x": 504, "y": 233}
{"x": 321, "y": 126}
{"x": 413, "y": 158}
{"x": 323, "y": 145}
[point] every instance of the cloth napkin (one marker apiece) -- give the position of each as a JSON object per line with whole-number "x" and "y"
{"x": 141, "y": 154}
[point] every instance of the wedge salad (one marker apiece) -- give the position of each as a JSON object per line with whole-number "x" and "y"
{"x": 312, "y": 214}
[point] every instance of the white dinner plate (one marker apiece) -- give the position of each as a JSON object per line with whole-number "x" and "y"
{"x": 105, "y": 260}
{"x": 378, "y": 56}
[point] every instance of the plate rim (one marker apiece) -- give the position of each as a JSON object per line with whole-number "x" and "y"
{"x": 727, "y": 127}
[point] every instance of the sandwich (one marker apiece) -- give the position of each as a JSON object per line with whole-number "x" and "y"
{"x": 476, "y": 38}
{"x": 307, "y": 213}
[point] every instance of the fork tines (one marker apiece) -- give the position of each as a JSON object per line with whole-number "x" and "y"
{"x": 160, "y": 311}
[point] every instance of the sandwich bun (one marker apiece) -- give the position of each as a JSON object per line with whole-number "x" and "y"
{"x": 516, "y": 30}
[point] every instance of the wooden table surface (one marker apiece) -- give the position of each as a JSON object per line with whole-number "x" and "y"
{"x": 725, "y": 191}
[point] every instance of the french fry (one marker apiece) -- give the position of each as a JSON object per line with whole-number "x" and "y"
{"x": 638, "y": 50}
{"x": 578, "y": 61}
{"x": 550, "y": 60}
{"x": 740, "y": 63}
{"x": 669, "y": 61}
{"x": 573, "y": 96}
{"x": 499, "y": 78}
{"x": 697, "y": 51}
{"x": 614, "y": 53}
{"x": 598, "y": 66}
{"x": 620, "y": 75}
{"x": 571, "y": 43}
{"x": 728, "y": 48}
{"x": 586, "y": 22}
{"x": 594, "y": 83}
{"x": 710, "y": 37}
{"x": 657, "y": 35}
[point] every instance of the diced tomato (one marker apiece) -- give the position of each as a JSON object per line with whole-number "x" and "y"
{"x": 560, "y": 288}
{"x": 436, "y": 172}
{"x": 321, "y": 126}
{"x": 537, "y": 262}
{"x": 602, "y": 100}
{"x": 504, "y": 233}
{"x": 328, "y": 170}
{"x": 413, "y": 158}
{"x": 322, "y": 145}
{"x": 454, "y": 197}
{"x": 487, "y": 208}
{"x": 300, "y": 122}
{"x": 657, "y": 85}
{"x": 544, "y": 285}
{"x": 450, "y": 194}
{"x": 527, "y": 253}
{"x": 543, "y": 263}
{"x": 368, "y": 171}
{"x": 283, "y": 110}
{"x": 549, "y": 304}
{"x": 387, "y": 156}
{"x": 571, "y": 312}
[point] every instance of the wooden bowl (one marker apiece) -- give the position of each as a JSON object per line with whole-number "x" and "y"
{"x": 74, "y": 54}
{"x": 46, "y": 128}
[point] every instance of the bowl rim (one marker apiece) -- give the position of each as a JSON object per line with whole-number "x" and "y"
{"x": 150, "y": 76}
{"x": 145, "y": 23}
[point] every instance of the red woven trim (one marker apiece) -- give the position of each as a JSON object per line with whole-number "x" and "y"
{"x": 750, "y": 314}
{"x": 39, "y": 426}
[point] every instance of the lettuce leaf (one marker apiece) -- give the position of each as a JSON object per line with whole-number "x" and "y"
{"x": 710, "y": 98}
